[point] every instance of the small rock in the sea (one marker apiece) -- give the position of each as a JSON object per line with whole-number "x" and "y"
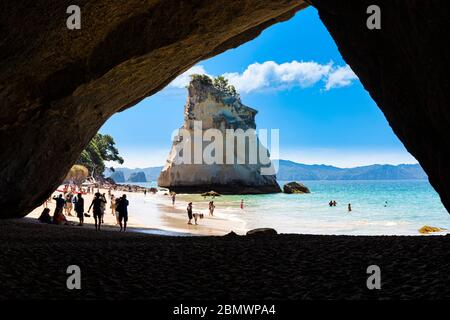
{"x": 295, "y": 187}
{"x": 262, "y": 232}
{"x": 428, "y": 229}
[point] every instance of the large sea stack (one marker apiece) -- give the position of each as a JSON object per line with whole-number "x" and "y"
{"x": 217, "y": 109}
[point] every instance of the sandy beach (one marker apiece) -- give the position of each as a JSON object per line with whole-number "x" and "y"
{"x": 155, "y": 214}
{"x": 138, "y": 266}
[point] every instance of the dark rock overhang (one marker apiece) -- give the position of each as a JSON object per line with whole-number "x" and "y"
{"x": 58, "y": 86}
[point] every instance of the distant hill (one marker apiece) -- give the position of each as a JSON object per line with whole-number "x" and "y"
{"x": 289, "y": 170}
{"x": 151, "y": 173}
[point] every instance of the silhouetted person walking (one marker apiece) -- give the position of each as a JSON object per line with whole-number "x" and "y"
{"x": 97, "y": 209}
{"x": 122, "y": 207}
{"x": 79, "y": 208}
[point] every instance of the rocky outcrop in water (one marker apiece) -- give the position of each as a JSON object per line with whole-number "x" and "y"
{"x": 295, "y": 187}
{"x": 211, "y": 109}
{"x": 118, "y": 176}
{"x": 137, "y": 177}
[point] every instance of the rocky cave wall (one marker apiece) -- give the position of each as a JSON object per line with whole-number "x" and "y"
{"x": 404, "y": 68}
{"x": 58, "y": 86}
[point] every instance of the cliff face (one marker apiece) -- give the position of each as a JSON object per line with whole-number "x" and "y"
{"x": 210, "y": 108}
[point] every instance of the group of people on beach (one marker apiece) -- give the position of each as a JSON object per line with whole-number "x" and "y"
{"x": 196, "y": 216}
{"x": 64, "y": 203}
{"x": 72, "y": 199}
{"x": 119, "y": 208}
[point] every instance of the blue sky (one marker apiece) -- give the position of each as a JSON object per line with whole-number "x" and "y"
{"x": 295, "y": 77}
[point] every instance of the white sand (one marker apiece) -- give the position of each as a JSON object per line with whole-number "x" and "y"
{"x": 154, "y": 213}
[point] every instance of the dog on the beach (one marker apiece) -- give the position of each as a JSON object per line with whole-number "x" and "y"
{"x": 198, "y": 216}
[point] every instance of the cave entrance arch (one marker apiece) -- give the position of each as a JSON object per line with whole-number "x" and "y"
{"x": 52, "y": 78}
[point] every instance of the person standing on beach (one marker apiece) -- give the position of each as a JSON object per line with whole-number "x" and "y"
{"x": 59, "y": 204}
{"x": 242, "y": 203}
{"x": 349, "y": 207}
{"x": 68, "y": 204}
{"x": 117, "y": 210}
{"x": 173, "y": 198}
{"x": 211, "y": 208}
{"x": 103, "y": 206}
{"x": 97, "y": 204}
{"x": 79, "y": 208}
{"x": 189, "y": 212}
{"x": 122, "y": 207}
{"x": 113, "y": 205}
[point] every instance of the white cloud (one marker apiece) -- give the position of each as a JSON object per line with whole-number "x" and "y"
{"x": 142, "y": 157}
{"x": 271, "y": 75}
{"x": 183, "y": 79}
{"x": 340, "y": 77}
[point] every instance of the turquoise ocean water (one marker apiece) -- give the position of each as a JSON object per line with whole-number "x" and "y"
{"x": 397, "y": 207}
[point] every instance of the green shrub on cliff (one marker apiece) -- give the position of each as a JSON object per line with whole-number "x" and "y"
{"x": 202, "y": 78}
{"x": 221, "y": 84}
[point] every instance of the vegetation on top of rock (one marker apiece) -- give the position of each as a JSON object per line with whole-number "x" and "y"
{"x": 220, "y": 83}
{"x": 100, "y": 149}
{"x": 202, "y": 78}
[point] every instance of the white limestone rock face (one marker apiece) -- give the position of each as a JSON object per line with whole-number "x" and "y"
{"x": 233, "y": 172}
